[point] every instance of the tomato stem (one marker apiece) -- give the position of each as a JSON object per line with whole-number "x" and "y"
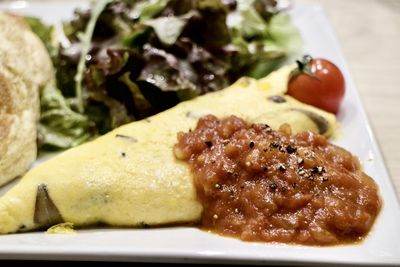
{"x": 303, "y": 66}
{"x": 304, "y": 63}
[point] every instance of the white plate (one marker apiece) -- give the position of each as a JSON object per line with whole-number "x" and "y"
{"x": 185, "y": 244}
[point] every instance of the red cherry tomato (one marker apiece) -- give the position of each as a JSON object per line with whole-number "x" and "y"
{"x": 317, "y": 82}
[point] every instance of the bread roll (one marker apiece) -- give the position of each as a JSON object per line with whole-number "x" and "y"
{"x": 25, "y": 66}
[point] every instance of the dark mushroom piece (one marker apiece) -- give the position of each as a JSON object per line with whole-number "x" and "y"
{"x": 46, "y": 213}
{"x": 277, "y": 99}
{"x": 321, "y": 123}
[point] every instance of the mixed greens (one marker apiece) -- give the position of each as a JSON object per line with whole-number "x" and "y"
{"x": 126, "y": 60}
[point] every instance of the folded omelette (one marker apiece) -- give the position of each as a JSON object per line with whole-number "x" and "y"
{"x": 130, "y": 177}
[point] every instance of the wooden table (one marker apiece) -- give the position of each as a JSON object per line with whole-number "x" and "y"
{"x": 369, "y": 35}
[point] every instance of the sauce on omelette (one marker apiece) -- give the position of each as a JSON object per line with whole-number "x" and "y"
{"x": 258, "y": 184}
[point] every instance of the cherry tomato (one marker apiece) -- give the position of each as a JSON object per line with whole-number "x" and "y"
{"x": 317, "y": 82}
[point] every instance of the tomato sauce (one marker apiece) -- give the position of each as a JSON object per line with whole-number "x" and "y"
{"x": 258, "y": 184}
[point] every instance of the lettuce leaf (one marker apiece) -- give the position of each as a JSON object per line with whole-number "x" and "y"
{"x": 134, "y": 58}
{"x": 85, "y": 39}
{"x": 60, "y": 126}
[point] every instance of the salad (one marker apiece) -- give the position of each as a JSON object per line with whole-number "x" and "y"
{"x": 125, "y": 60}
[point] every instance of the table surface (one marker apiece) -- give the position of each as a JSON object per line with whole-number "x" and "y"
{"x": 369, "y": 35}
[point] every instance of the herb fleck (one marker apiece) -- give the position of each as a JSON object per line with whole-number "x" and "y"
{"x": 127, "y": 137}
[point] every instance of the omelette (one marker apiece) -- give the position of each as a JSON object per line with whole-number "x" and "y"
{"x": 130, "y": 176}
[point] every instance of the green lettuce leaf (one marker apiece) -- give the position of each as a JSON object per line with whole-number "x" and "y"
{"x": 284, "y": 34}
{"x": 85, "y": 39}
{"x": 134, "y": 58}
{"x": 60, "y": 127}
{"x": 168, "y": 29}
{"x": 147, "y": 9}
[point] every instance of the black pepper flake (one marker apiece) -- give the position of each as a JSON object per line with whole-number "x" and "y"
{"x": 251, "y": 144}
{"x": 318, "y": 169}
{"x": 324, "y": 179}
{"x": 274, "y": 144}
{"x": 265, "y": 169}
{"x": 281, "y": 167}
{"x": 208, "y": 143}
{"x": 301, "y": 172}
{"x": 273, "y": 186}
{"x": 283, "y": 189}
{"x": 294, "y": 185}
{"x": 291, "y": 149}
{"x": 123, "y": 154}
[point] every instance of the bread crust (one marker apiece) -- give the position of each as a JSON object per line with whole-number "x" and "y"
{"x": 25, "y": 67}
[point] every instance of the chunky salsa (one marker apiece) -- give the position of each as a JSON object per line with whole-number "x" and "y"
{"x": 258, "y": 184}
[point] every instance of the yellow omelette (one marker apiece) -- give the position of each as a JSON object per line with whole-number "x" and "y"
{"x": 130, "y": 177}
